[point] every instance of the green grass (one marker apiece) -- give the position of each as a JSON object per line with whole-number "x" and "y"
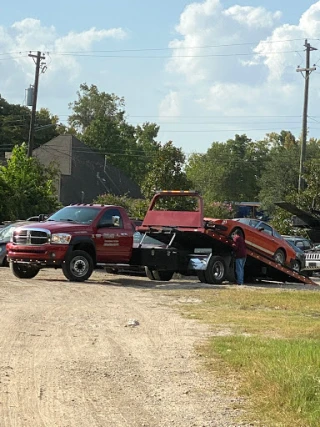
{"x": 270, "y": 338}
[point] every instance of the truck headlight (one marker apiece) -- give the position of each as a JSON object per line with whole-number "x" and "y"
{"x": 61, "y": 238}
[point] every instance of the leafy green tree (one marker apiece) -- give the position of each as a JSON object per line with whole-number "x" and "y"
{"x": 219, "y": 210}
{"x": 284, "y": 139}
{"x": 240, "y": 180}
{"x": 4, "y": 199}
{"x": 99, "y": 119}
{"x": 228, "y": 171}
{"x": 136, "y": 208}
{"x": 309, "y": 198}
{"x": 147, "y": 149}
{"x": 167, "y": 171}
{"x": 15, "y": 126}
{"x": 95, "y": 105}
{"x": 47, "y": 127}
{"x": 31, "y": 185}
{"x": 279, "y": 178}
{"x": 282, "y": 222}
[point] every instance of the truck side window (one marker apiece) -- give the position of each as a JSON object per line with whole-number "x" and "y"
{"x": 111, "y": 218}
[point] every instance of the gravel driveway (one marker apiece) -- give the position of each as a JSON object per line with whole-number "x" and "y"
{"x": 113, "y": 351}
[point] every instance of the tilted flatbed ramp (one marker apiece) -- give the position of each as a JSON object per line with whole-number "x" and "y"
{"x": 279, "y": 272}
{"x": 190, "y": 244}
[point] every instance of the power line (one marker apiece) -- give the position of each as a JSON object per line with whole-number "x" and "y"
{"x": 187, "y": 47}
{"x": 203, "y": 116}
{"x": 219, "y": 55}
{"x": 170, "y": 47}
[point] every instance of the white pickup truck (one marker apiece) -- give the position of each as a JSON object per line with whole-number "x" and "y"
{"x": 313, "y": 259}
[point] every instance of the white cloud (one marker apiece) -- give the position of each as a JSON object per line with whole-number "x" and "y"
{"x": 83, "y": 41}
{"x": 310, "y": 21}
{"x": 170, "y": 106}
{"x": 250, "y": 16}
{"x": 30, "y": 35}
{"x": 235, "y": 76}
{"x": 242, "y": 99}
{"x": 208, "y": 24}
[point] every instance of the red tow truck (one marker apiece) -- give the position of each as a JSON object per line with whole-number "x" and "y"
{"x": 81, "y": 237}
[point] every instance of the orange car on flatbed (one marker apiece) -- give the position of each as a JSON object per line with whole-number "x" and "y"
{"x": 260, "y": 236}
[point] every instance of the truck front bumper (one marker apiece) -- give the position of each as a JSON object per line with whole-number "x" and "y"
{"x": 44, "y": 255}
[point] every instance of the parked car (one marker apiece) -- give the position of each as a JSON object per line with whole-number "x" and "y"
{"x": 40, "y": 217}
{"x": 303, "y": 243}
{"x": 301, "y": 254}
{"x": 313, "y": 260}
{"x": 261, "y": 237}
{"x": 5, "y": 236}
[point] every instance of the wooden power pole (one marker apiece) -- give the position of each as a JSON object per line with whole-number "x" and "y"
{"x": 307, "y": 72}
{"x": 34, "y": 100}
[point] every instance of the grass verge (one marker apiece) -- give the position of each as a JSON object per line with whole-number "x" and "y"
{"x": 271, "y": 339}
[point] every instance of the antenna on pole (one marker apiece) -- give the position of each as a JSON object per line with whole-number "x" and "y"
{"x": 39, "y": 66}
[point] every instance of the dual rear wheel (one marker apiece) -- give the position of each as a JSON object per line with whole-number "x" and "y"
{"x": 215, "y": 273}
{"x": 159, "y": 275}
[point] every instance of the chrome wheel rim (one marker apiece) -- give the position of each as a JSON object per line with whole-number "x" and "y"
{"x": 79, "y": 266}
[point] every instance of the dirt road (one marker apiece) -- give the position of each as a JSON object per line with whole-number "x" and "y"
{"x": 72, "y": 356}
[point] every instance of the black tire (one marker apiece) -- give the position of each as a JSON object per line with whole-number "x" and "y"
{"x": 307, "y": 273}
{"x": 295, "y": 265}
{"x": 78, "y": 266}
{"x": 280, "y": 256}
{"x": 149, "y": 273}
{"x": 237, "y": 229}
{"x": 216, "y": 270}
{"x": 202, "y": 276}
{"x": 162, "y": 275}
{"x": 24, "y": 271}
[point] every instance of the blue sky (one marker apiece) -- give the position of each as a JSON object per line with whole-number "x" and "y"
{"x": 202, "y": 70}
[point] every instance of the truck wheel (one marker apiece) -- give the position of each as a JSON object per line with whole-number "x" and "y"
{"x": 24, "y": 271}
{"x": 149, "y": 273}
{"x": 202, "y": 276}
{"x": 216, "y": 270}
{"x": 162, "y": 275}
{"x": 78, "y": 266}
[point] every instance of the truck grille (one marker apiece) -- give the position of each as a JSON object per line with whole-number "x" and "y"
{"x": 31, "y": 237}
{"x": 310, "y": 256}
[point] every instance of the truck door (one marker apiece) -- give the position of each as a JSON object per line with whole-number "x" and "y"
{"x": 113, "y": 241}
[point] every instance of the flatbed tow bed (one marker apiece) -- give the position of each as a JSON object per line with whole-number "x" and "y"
{"x": 175, "y": 256}
{"x": 198, "y": 248}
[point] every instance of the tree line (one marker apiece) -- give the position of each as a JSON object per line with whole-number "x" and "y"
{"x": 235, "y": 170}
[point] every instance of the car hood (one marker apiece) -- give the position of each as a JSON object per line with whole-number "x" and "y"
{"x": 59, "y": 227}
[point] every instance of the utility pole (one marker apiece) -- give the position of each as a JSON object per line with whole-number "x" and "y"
{"x": 307, "y": 72}
{"x": 34, "y": 100}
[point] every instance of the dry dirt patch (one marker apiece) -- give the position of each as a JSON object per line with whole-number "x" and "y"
{"x": 71, "y": 356}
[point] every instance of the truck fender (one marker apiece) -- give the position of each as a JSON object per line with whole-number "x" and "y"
{"x": 83, "y": 243}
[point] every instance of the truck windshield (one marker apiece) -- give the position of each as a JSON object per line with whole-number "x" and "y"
{"x": 79, "y": 214}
